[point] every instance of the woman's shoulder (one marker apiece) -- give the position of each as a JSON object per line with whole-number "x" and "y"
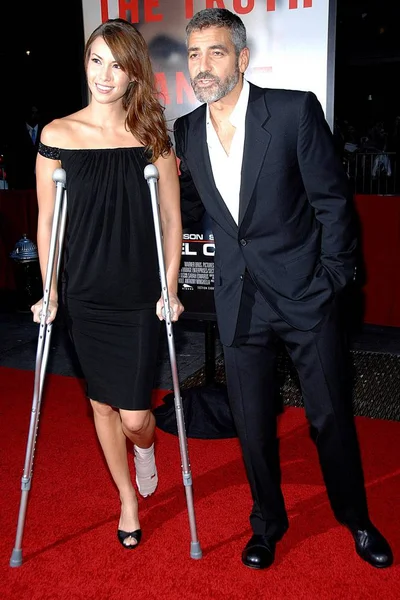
{"x": 61, "y": 132}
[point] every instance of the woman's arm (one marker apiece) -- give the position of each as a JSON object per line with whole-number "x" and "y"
{"x": 171, "y": 224}
{"x": 45, "y": 188}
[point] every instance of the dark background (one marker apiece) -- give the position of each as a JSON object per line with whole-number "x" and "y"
{"x": 367, "y": 60}
{"x": 52, "y": 76}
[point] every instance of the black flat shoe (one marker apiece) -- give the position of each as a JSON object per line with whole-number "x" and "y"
{"x": 372, "y": 547}
{"x": 259, "y": 552}
{"x": 123, "y": 535}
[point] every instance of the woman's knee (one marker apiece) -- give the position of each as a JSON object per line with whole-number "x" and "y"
{"x": 135, "y": 421}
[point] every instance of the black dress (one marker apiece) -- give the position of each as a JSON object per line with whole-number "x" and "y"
{"x": 111, "y": 278}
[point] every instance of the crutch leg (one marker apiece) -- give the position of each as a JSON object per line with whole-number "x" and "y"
{"x": 42, "y": 353}
{"x": 151, "y": 175}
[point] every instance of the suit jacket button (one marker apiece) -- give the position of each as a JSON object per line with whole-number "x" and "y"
{"x": 241, "y": 278}
{"x": 243, "y": 242}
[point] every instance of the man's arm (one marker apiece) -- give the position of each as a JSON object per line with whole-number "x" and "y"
{"x": 192, "y": 208}
{"x": 328, "y": 192}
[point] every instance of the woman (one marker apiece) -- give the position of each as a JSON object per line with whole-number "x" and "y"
{"x": 111, "y": 278}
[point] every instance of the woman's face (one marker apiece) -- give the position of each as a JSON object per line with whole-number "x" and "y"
{"x": 106, "y": 80}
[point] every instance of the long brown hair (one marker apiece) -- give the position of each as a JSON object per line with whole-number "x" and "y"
{"x": 145, "y": 115}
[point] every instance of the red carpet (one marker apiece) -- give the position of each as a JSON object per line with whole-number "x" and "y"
{"x": 70, "y": 547}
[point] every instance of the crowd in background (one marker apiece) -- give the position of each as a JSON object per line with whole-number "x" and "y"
{"x": 370, "y": 153}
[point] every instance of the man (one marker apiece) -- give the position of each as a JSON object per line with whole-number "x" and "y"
{"x": 262, "y": 163}
{"x": 23, "y": 137}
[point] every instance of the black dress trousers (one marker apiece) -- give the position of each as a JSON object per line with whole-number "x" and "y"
{"x": 320, "y": 358}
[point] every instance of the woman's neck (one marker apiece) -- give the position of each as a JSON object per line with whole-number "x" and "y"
{"x": 106, "y": 116}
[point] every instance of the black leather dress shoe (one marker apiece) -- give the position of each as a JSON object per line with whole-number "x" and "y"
{"x": 372, "y": 547}
{"x": 259, "y": 552}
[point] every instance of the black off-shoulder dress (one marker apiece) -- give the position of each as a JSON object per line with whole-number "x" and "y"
{"x": 110, "y": 276}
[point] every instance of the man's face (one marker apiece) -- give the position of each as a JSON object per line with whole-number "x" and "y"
{"x": 214, "y": 67}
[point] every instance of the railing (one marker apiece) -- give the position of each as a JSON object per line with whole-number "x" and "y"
{"x": 373, "y": 172}
{"x": 3, "y": 181}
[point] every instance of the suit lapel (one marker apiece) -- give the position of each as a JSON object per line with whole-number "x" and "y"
{"x": 202, "y": 157}
{"x": 256, "y": 144}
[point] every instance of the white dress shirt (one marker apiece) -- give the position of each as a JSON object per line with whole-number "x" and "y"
{"x": 227, "y": 168}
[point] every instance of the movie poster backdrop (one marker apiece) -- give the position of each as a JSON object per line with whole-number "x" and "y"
{"x": 291, "y": 46}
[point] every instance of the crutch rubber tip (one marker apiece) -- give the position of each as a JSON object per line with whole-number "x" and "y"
{"x": 16, "y": 558}
{"x": 195, "y": 550}
{"x": 60, "y": 176}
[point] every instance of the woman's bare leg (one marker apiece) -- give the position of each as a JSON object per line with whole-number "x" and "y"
{"x": 112, "y": 439}
{"x": 139, "y": 427}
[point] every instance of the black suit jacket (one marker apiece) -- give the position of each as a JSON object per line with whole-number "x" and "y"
{"x": 295, "y": 234}
{"x": 21, "y": 156}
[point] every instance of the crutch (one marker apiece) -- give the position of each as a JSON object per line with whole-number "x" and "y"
{"x": 151, "y": 176}
{"x": 42, "y": 353}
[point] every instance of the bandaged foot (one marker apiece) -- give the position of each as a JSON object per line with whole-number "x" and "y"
{"x": 146, "y": 470}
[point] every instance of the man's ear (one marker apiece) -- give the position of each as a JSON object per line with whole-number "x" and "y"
{"x": 244, "y": 59}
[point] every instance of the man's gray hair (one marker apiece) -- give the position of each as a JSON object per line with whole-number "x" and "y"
{"x": 219, "y": 17}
